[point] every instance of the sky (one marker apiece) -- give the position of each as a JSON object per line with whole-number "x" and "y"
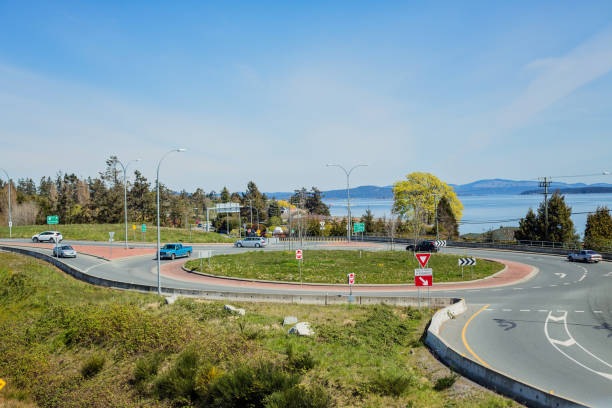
{"x": 273, "y": 91}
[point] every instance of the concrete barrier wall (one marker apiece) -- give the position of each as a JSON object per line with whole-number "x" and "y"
{"x": 436, "y": 302}
{"x": 497, "y": 381}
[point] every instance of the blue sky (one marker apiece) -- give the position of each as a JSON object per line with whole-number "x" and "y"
{"x": 272, "y": 91}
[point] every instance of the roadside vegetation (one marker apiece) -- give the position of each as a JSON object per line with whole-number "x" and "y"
{"x": 322, "y": 266}
{"x": 99, "y": 232}
{"x": 64, "y": 343}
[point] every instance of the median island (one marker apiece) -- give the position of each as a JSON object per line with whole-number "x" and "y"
{"x": 331, "y": 267}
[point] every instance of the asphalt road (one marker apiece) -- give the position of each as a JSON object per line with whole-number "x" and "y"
{"x": 553, "y": 331}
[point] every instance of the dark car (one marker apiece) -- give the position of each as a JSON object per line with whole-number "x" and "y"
{"x": 423, "y": 246}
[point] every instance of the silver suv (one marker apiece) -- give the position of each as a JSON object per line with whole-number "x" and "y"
{"x": 251, "y": 242}
{"x": 48, "y": 236}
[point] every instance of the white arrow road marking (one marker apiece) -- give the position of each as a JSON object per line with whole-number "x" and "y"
{"x": 572, "y": 342}
{"x": 561, "y": 275}
{"x": 424, "y": 281}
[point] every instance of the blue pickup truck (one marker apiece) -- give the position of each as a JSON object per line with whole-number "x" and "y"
{"x": 174, "y": 251}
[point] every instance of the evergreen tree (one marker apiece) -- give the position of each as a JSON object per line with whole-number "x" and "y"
{"x": 529, "y": 228}
{"x": 447, "y": 219}
{"x": 368, "y": 221}
{"x": 225, "y": 195}
{"x": 560, "y": 225}
{"x": 598, "y": 231}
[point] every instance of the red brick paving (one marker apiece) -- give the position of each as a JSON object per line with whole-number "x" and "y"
{"x": 515, "y": 272}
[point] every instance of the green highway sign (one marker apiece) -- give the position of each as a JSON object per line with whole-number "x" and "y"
{"x": 143, "y": 227}
{"x": 358, "y": 227}
{"x": 52, "y": 219}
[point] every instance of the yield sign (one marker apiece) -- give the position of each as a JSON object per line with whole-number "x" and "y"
{"x": 423, "y": 258}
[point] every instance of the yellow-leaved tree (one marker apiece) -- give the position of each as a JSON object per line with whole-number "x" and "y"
{"x": 415, "y": 198}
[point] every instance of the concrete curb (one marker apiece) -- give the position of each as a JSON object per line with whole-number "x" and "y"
{"x": 326, "y": 299}
{"x": 497, "y": 381}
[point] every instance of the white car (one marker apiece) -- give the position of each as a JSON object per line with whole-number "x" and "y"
{"x": 256, "y": 242}
{"x": 64, "y": 251}
{"x": 48, "y": 236}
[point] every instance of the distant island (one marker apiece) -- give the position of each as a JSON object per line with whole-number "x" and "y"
{"x": 476, "y": 188}
{"x": 574, "y": 190}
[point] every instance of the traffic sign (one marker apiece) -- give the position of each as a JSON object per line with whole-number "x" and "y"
{"x": 134, "y": 227}
{"x": 351, "y": 278}
{"x": 111, "y": 235}
{"x": 423, "y": 272}
{"x": 423, "y": 281}
{"x": 298, "y": 254}
{"x": 467, "y": 261}
{"x": 10, "y": 224}
{"x": 2, "y": 383}
{"x": 440, "y": 243}
{"x": 52, "y": 219}
{"x": 322, "y": 223}
{"x": 258, "y": 232}
{"x": 423, "y": 258}
{"x": 143, "y": 227}
{"x": 358, "y": 227}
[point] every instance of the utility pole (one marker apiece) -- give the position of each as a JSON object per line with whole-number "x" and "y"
{"x": 545, "y": 183}
{"x": 251, "y": 208}
{"x": 436, "y": 214}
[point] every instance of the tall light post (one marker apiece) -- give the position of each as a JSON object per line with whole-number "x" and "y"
{"x": 436, "y": 214}
{"x": 159, "y": 292}
{"x": 348, "y": 198}
{"x": 9, "y": 202}
{"x": 124, "y": 167}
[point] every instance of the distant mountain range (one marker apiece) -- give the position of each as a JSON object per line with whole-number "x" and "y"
{"x": 480, "y": 187}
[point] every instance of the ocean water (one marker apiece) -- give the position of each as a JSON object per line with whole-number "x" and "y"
{"x": 482, "y": 213}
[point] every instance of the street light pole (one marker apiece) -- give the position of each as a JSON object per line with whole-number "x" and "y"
{"x": 125, "y": 193}
{"x": 159, "y": 292}
{"x": 436, "y": 214}
{"x": 348, "y": 197}
{"x": 9, "y": 202}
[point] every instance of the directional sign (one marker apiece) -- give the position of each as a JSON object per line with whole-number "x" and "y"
{"x": 298, "y": 254}
{"x": 134, "y": 227}
{"x": 423, "y": 258}
{"x": 423, "y": 280}
{"x": 467, "y": 261}
{"x": 440, "y": 243}
{"x": 143, "y": 227}
{"x": 52, "y": 219}
{"x": 358, "y": 227}
{"x": 351, "y": 278}
{"x": 2, "y": 383}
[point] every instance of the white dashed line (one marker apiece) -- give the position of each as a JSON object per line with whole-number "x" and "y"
{"x": 497, "y": 290}
{"x": 517, "y": 288}
{"x": 566, "y": 283}
{"x": 474, "y": 290}
{"x": 506, "y": 310}
{"x": 561, "y": 311}
{"x": 552, "y": 285}
{"x": 597, "y": 311}
{"x": 525, "y": 310}
{"x": 578, "y": 311}
{"x": 536, "y": 287}
{"x": 542, "y": 310}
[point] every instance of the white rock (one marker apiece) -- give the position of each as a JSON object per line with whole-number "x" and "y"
{"x": 302, "y": 329}
{"x": 171, "y": 299}
{"x": 288, "y": 320}
{"x": 233, "y": 309}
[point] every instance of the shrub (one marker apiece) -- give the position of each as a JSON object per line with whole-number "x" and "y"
{"x": 299, "y": 397}
{"x": 445, "y": 382}
{"x": 179, "y": 381}
{"x": 299, "y": 361}
{"x": 248, "y": 386}
{"x": 147, "y": 367}
{"x": 93, "y": 365}
{"x": 391, "y": 384}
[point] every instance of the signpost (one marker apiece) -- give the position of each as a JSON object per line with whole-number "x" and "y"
{"x": 52, "y": 219}
{"x": 469, "y": 262}
{"x": 134, "y": 231}
{"x": 299, "y": 256}
{"x": 111, "y": 238}
{"x": 359, "y": 227}
{"x": 143, "y": 229}
{"x": 351, "y": 281}
{"x": 423, "y": 276}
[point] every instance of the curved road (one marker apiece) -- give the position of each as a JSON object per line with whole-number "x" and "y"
{"x": 553, "y": 331}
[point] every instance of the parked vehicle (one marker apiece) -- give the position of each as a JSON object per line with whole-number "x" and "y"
{"x": 175, "y": 251}
{"x": 423, "y": 246}
{"x": 586, "y": 255}
{"x": 251, "y": 242}
{"x": 48, "y": 236}
{"x": 64, "y": 251}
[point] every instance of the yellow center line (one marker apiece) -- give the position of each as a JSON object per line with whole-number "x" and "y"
{"x": 465, "y": 342}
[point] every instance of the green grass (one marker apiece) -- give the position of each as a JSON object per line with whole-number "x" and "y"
{"x": 99, "y": 232}
{"x": 322, "y": 266}
{"x": 97, "y": 347}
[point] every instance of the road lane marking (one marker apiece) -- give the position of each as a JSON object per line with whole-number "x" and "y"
{"x": 552, "y": 285}
{"x": 578, "y": 311}
{"x": 506, "y": 310}
{"x": 525, "y": 310}
{"x": 465, "y": 341}
{"x": 536, "y": 287}
{"x": 542, "y": 310}
{"x": 566, "y": 283}
{"x": 597, "y": 311}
